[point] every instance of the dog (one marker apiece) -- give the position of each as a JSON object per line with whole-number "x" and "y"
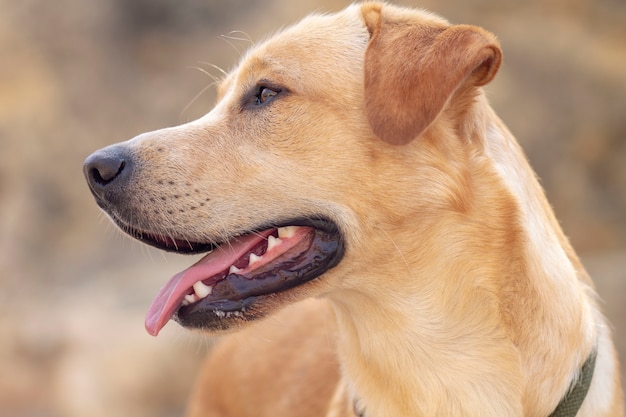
{"x": 363, "y": 203}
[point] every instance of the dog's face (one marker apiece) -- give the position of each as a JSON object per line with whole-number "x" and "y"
{"x": 287, "y": 181}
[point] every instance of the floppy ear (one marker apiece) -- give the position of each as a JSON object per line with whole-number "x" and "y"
{"x": 413, "y": 68}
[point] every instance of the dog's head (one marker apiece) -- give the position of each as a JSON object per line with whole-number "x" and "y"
{"x": 323, "y": 139}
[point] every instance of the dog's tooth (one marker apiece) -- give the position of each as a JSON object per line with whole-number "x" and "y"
{"x": 254, "y": 259}
{"x": 189, "y": 299}
{"x": 233, "y": 269}
{"x": 287, "y": 232}
{"x": 272, "y": 242}
{"x": 201, "y": 289}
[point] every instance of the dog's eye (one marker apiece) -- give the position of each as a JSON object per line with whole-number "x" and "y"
{"x": 261, "y": 95}
{"x": 264, "y": 95}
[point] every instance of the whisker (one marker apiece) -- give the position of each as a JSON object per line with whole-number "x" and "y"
{"x": 196, "y": 97}
{"x": 220, "y": 69}
{"x": 259, "y": 234}
{"x": 232, "y": 45}
{"x": 247, "y": 37}
{"x": 207, "y": 73}
{"x": 393, "y": 242}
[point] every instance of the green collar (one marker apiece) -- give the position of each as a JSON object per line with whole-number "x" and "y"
{"x": 569, "y": 406}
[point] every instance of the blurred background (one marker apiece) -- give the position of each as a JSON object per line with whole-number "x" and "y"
{"x": 76, "y": 75}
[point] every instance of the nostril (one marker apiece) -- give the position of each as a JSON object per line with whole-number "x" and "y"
{"x": 103, "y": 174}
{"x": 107, "y": 169}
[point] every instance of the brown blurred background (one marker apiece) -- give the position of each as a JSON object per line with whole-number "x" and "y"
{"x": 76, "y": 75}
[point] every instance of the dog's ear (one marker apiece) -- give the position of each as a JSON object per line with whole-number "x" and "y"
{"x": 413, "y": 68}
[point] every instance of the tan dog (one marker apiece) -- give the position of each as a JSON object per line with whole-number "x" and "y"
{"x": 354, "y": 158}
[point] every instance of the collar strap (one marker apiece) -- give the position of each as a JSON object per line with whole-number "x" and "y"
{"x": 569, "y": 406}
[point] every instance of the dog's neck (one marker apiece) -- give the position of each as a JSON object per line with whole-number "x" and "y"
{"x": 459, "y": 317}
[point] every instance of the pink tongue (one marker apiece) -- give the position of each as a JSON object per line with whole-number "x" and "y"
{"x": 172, "y": 294}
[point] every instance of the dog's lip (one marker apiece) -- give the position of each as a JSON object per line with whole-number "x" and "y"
{"x": 289, "y": 256}
{"x": 166, "y": 242}
{"x": 173, "y": 244}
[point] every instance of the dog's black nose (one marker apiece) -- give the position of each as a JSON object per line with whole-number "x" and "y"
{"x": 107, "y": 171}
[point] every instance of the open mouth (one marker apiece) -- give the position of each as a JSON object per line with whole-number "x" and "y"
{"x": 238, "y": 273}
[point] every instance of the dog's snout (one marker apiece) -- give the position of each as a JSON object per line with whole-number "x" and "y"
{"x": 107, "y": 169}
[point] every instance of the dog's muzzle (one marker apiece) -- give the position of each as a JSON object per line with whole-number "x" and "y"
{"x": 244, "y": 270}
